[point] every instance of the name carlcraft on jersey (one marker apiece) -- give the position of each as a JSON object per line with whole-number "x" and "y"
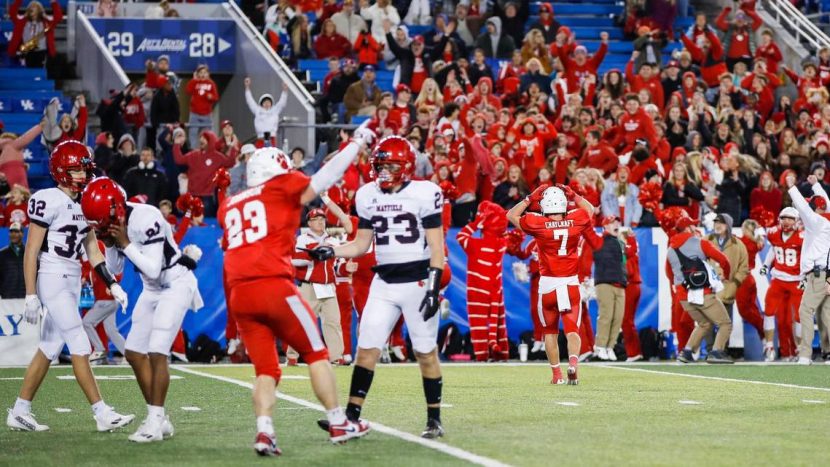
{"x": 389, "y": 208}
{"x": 559, "y": 224}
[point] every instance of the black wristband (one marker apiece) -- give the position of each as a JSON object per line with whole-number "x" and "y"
{"x": 434, "y": 280}
{"x": 104, "y": 274}
{"x": 187, "y": 262}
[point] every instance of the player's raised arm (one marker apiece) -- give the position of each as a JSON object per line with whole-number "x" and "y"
{"x": 333, "y": 171}
{"x": 514, "y": 215}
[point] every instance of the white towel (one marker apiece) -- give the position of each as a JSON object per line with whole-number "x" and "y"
{"x": 323, "y": 290}
{"x": 695, "y": 296}
{"x": 559, "y": 285}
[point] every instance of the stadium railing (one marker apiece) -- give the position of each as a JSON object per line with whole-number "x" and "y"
{"x": 793, "y": 21}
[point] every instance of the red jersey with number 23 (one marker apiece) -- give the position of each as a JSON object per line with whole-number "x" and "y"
{"x": 260, "y": 227}
{"x": 558, "y": 241}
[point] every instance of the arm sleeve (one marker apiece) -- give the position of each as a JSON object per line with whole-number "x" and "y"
{"x": 249, "y": 99}
{"x": 283, "y": 100}
{"x": 334, "y": 169}
{"x": 808, "y": 217}
{"x": 149, "y": 262}
{"x": 181, "y": 159}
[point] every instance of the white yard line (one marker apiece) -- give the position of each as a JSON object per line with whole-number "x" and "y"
{"x": 428, "y": 443}
{"x": 716, "y": 378}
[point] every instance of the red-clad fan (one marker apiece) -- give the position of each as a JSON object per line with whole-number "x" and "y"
{"x": 635, "y": 124}
{"x": 709, "y": 56}
{"x": 783, "y": 296}
{"x": 558, "y": 232}
{"x": 260, "y": 224}
{"x": 598, "y": 154}
{"x": 581, "y": 66}
{"x": 485, "y": 290}
{"x": 648, "y": 78}
{"x": 769, "y": 51}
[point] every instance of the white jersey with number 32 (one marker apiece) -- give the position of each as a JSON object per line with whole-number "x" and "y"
{"x": 67, "y": 228}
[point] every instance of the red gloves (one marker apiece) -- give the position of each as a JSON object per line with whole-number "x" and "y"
{"x": 569, "y": 193}
{"x": 190, "y": 204}
{"x": 222, "y": 179}
{"x": 536, "y": 196}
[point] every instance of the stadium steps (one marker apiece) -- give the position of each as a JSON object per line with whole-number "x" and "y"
{"x": 24, "y": 93}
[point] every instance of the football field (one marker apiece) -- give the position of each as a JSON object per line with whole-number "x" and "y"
{"x": 495, "y": 414}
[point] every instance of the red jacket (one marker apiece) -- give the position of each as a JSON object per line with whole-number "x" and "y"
{"x": 772, "y": 54}
{"x": 134, "y": 113}
{"x": 601, "y": 156}
{"x": 711, "y": 64}
{"x": 19, "y": 22}
{"x": 575, "y": 73}
{"x": 14, "y": 213}
{"x": 632, "y": 261}
{"x": 654, "y": 86}
{"x": 739, "y": 42}
{"x": 367, "y": 49}
{"x": 636, "y": 126}
{"x": 335, "y": 45}
{"x": 317, "y": 272}
{"x": 203, "y": 95}
{"x": 771, "y": 200}
{"x": 201, "y": 165}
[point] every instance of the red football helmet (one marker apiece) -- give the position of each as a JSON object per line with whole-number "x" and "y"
{"x": 71, "y": 156}
{"x": 392, "y": 150}
{"x": 103, "y": 203}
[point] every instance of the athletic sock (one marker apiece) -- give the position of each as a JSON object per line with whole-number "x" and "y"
{"x": 154, "y": 411}
{"x": 361, "y": 382}
{"x": 557, "y": 371}
{"x": 432, "y": 392}
{"x": 264, "y": 424}
{"x": 336, "y": 416}
{"x": 22, "y": 407}
{"x": 573, "y": 360}
{"x": 99, "y": 408}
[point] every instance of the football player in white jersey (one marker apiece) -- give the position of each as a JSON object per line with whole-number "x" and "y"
{"x": 140, "y": 233}
{"x": 403, "y": 217}
{"x": 58, "y": 237}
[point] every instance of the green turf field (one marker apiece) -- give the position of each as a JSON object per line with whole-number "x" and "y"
{"x": 497, "y": 414}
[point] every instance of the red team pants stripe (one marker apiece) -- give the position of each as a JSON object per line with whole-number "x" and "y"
{"x": 271, "y": 309}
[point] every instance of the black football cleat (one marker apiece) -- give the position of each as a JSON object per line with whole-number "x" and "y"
{"x": 433, "y": 429}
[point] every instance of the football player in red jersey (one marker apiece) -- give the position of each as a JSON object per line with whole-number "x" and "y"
{"x": 558, "y": 231}
{"x": 783, "y": 295}
{"x": 259, "y": 231}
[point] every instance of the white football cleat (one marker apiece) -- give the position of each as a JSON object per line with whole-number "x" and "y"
{"x": 149, "y": 431}
{"x": 769, "y": 354}
{"x": 24, "y": 422}
{"x": 233, "y": 344}
{"x": 538, "y": 346}
{"x": 398, "y": 351}
{"x": 601, "y": 353}
{"x": 611, "y": 355}
{"x": 167, "y": 429}
{"x": 112, "y": 420}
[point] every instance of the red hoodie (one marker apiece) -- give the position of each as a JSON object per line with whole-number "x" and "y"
{"x": 711, "y": 63}
{"x": 201, "y": 165}
{"x": 636, "y": 126}
{"x": 601, "y": 156}
{"x": 653, "y": 85}
{"x": 203, "y": 94}
{"x": 576, "y": 73}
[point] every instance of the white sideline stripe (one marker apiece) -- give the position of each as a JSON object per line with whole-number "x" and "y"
{"x": 441, "y": 447}
{"x": 717, "y": 378}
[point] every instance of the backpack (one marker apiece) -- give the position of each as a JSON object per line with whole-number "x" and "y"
{"x": 204, "y": 350}
{"x": 650, "y": 343}
{"x": 695, "y": 275}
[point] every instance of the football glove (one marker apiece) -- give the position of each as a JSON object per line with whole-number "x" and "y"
{"x": 32, "y": 309}
{"x": 432, "y": 300}
{"x": 569, "y": 193}
{"x": 193, "y": 251}
{"x": 537, "y": 194}
{"x": 119, "y": 296}
{"x": 320, "y": 253}
{"x": 363, "y": 136}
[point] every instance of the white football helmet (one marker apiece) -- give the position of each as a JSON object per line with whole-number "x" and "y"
{"x": 789, "y": 212}
{"x": 265, "y": 164}
{"x": 554, "y": 201}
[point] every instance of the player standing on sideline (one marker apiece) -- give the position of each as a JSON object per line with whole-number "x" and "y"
{"x": 403, "y": 216}
{"x": 103, "y": 310}
{"x": 783, "y": 295}
{"x": 814, "y": 263}
{"x": 58, "y": 236}
{"x": 558, "y": 231}
{"x": 140, "y": 232}
{"x": 259, "y": 226}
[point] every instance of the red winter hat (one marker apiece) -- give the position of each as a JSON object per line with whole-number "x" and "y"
{"x": 680, "y": 150}
{"x": 823, "y": 142}
{"x": 401, "y": 88}
{"x": 316, "y": 212}
{"x": 817, "y": 202}
{"x": 224, "y": 124}
{"x": 565, "y": 30}
{"x": 729, "y": 147}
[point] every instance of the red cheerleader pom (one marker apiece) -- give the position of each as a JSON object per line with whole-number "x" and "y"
{"x": 763, "y": 216}
{"x": 650, "y": 195}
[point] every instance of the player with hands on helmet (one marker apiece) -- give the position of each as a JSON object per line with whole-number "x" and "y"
{"x": 558, "y": 231}
{"x": 59, "y": 235}
{"x": 403, "y": 217}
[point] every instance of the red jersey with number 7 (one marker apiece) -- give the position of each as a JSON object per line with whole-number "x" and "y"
{"x": 260, "y": 227}
{"x": 558, "y": 240}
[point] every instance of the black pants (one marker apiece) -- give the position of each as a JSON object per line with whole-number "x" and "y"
{"x": 35, "y": 59}
{"x": 210, "y": 205}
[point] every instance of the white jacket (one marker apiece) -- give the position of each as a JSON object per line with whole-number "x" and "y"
{"x": 376, "y": 15}
{"x": 266, "y": 120}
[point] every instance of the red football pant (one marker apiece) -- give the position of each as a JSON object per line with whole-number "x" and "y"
{"x": 746, "y": 299}
{"x": 586, "y": 331}
{"x": 782, "y": 301}
{"x": 360, "y": 292}
{"x": 682, "y": 324}
{"x": 534, "y": 307}
{"x": 631, "y": 338}
{"x": 271, "y": 309}
{"x": 485, "y": 312}
{"x": 344, "y": 301}
{"x": 550, "y": 313}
